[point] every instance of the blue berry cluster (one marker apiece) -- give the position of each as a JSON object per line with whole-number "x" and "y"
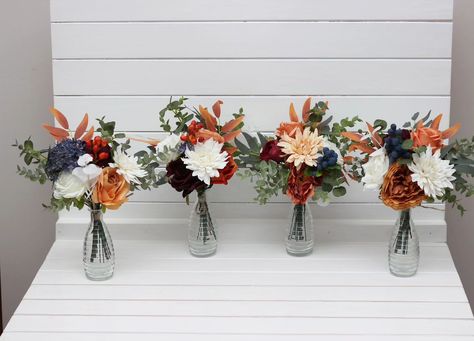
{"x": 394, "y": 141}
{"x": 63, "y": 157}
{"x": 328, "y": 159}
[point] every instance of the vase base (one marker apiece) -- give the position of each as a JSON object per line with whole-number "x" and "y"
{"x": 96, "y": 272}
{"x": 203, "y": 253}
{"x": 300, "y": 252}
{"x": 402, "y": 274}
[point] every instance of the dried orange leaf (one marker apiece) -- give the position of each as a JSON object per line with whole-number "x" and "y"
{"x": 58, "y": 133}
{"x": 451, "y": 131}
{"x": 231, "y": 125}
{"x": 375, "y": 137}
{"x": 216, "y": 108}
{"x": 362, "y": 147}
{"x": 89, "y": 134}
{"x": 293, "y": 115}
{"x": 81, "y": 128}
{"x": 59, "y": 116}
{"x": 306, "y": 109}
{"x": 209, "y": 120}
{"x": 151, "y": 142}
{"x": 353, "y": 136}
{"x": 207, "y": 134}
{"x": 436, "y": 121}
{"x": 232, "y": 135}
{"x": 230, "y": 149}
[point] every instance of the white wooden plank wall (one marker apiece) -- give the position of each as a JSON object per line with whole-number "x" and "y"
{"x": 375, "y": 58}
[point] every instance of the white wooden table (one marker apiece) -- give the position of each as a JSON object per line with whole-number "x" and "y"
{"x": 248, "y": 291}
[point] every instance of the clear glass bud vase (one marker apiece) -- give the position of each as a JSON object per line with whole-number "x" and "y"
{"x": 202, "y": 237}
{"x": 300, "y": 233}
{"x": 404, "y": 248}
{"x": 99, "y": 256}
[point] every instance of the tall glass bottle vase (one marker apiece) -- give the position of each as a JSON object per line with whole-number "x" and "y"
{"x": 99, "y": 256}
{"x": 404, "y": 248}
{"x": 300, "y": 232}
{"x": 202, "y": 237}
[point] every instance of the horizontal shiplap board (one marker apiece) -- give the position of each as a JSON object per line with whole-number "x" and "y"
{"x": 252, "y": 77}
{"x": 186, "y": 10}
{"x": 243, "y": 326}
{"x": 140, "y": 113}
{"x": 252, "y": 40}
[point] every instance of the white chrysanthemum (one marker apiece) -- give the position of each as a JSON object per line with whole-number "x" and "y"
{"x": 304, "y": 148}
{"x": 432, "y": 173}
{"x": 206, "y": 159}
{"x": 167, "y": 150}
{"x": 69, "y": 186}
{"x": 375, "y": 169}
{"x": 128, "y": 167}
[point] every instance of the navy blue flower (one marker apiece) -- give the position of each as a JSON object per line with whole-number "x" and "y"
{"x": 63, "y": 157}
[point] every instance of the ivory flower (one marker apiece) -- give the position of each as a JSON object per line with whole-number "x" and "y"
{"x": 169, "y": 147}
{"x": 375, "y": 169}
{"x": 128, "y": 167}
{"x": 206, "y": 159}
{"x": 87, "y": 172}
{"x": 432, "y": 173}
{"x": 303, "y": 148}
{"x": 69, "y": 186}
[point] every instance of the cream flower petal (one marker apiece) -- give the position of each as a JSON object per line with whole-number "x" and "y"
{"x": 303, "y": 148}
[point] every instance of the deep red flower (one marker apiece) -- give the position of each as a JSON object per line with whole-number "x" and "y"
{"x": 182, "y": 179}
{"x": 226, "y": 173}
{"x": 100, "y": 151}
{"x": 271, "y": 151}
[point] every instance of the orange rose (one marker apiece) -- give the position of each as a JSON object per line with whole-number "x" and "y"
{"x": 289, "y": 128}
{"x": 432, "y": 136}
{"x": 399, "y": 191}
{"x": 300, "y": 186}
{"x": 226, "y": 173}
{"x": 111, "y": 189}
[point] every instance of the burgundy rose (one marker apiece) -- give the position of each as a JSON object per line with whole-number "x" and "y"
{"x": 182, "y": 179}
{"x": 271, "y": 151}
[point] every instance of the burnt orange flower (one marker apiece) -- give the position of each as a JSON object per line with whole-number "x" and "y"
{"x": 300, "y": 186}
{"x": 226, "y": 173}
{"x": 399, "y": 191}
{"x": 111, "y": 189}
{"x": 432, "y": 136}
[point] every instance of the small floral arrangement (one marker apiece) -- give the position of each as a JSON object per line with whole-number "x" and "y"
{"x": 198, "y": 152}
{"x": 412, "y": 164}
{"x": 84, "y": 170}
{"x": 303, "y": 159}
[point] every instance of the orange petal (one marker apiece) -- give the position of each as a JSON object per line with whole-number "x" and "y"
{"x": 293, "y": 115}
{"x": 306, "y": 108}
{"x": 59, "y": 116}
{"x": 89, "y": 134}
{"x": 353, "y": 136}
{"x": 436, "y": 121}
{"x": 420, "y": 124}
{"x": 216, "y": 108}
{"x": 209, "y": 120}
{"x": 207, "y": 134}
{"x": 58, "y": 133}
{"x": 348, "y": 159}
{"x": 362, "y": 147}
{"x": 230, "y": 149}
{"x": 151, "y": 142}
{"x": 231, "y": 125}
{"x": 376, "y": 139}
{"x": 81, "y": 128}
{"x": 232, "y": 135}
{"x": 451, "y": 131}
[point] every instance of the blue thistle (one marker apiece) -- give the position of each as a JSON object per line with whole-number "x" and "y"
{"x": 63, "y": 157}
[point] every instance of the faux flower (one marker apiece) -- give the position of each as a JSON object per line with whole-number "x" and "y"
{"x": 432, "y": 173}
{"x": 289, "y": 128}
{"x": 432, "y": 136}
{"x": 128, "y": 167}
{"x": 68, "y": 185}
{"x": 332, "y": 146}
{"x": 206, "y": 159}
{"x": 399, "y": 191}
{"x": 100, "y": 150}
{"x": 271, "y": 151}
{"x": 63, "y": 157}
{"x": 226, "y": 173}
{"x": 87, "y": 171}
{"x": 111, "y": 189}
{"x": 303, "y": 148}
{"x": 182, "y": 179}
{"x": 300, "y": 186}
{"x": 169, "y": 147}
{"x": 375, "y": 169}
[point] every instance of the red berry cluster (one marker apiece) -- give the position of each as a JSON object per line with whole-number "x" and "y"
{"x": 193, "y": 128}
{"x": 100, "y": 150}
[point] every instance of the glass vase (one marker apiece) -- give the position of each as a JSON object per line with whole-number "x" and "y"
{"x": 202, "y": 237}
{"x": 99, "y": 256}
{"x": 404, "y": 248}
{"x": 300, "y": 233}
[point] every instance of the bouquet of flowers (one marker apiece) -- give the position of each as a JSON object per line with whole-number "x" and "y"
{"x": 86, "y": 171}
{"x": 303, "y": 161}
{"x": 198, "y": 154}
{"x": 410, "y": 165}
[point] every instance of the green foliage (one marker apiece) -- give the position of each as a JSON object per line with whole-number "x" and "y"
{"x": 35, "y": 161}
{"x": 180, "y": 115}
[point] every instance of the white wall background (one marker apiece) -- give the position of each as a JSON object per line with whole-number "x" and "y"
{"x": 376, "y": 58}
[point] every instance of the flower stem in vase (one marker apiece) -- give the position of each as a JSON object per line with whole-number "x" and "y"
{"x": 300, "y": 234}
{"x": 404, "y": 248}
{"x": 202, "y": 237}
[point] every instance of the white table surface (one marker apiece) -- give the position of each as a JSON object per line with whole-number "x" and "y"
{"x": 343, "y": 291}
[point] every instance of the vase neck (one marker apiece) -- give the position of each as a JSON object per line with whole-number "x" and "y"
{"x": 96, "y": 212}
{"x": 201, "y": 196}
{"x": 405, "y": 220}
